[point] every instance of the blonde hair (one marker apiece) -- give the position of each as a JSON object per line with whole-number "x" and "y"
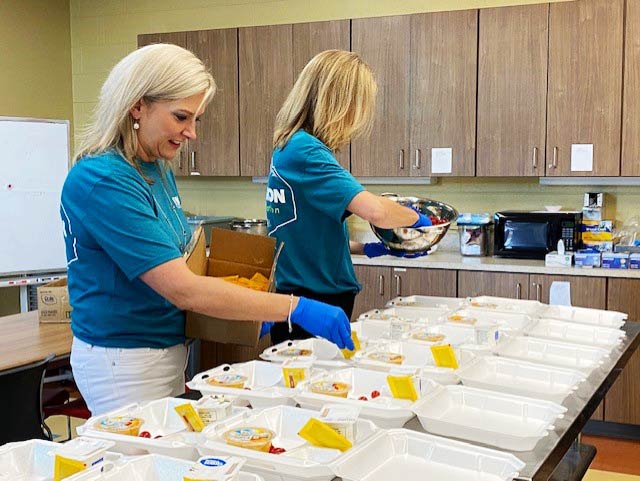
{"x": 333, "y": 99}
{"x": 155, "y": 73}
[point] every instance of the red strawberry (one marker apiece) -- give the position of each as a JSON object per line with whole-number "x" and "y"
{"x": 145, "y": 434}
{"x": 375, "y": 394}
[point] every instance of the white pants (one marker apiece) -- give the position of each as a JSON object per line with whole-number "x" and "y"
{"x": 110, "y": 378}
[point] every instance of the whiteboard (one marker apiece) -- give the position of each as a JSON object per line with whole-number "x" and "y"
{"x": 34, "y": 161}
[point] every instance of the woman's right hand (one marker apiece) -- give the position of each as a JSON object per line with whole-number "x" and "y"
{"x": 323, "y": 320}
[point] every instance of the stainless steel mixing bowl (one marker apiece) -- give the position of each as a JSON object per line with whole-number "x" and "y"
{"x": 422, "y": 239}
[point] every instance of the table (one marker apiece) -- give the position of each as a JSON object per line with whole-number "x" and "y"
{"x": 24, "y": 340}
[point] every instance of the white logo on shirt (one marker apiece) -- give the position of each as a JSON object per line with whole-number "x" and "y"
{"x": 279, "y": 196}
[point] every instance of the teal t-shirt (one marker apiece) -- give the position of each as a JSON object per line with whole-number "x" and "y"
{"x": 308, "y": 192}
{"x": 117, "y": 227}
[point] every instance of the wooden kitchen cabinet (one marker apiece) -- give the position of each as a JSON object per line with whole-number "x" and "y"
{"x": 631, "y": 99}
{"x": 266, "y": 77}
{"x": 215, "y": 152}
{"x": 501, "y": 284}
{"x": 376, "y": 288}
{"x": 310, "y": 39}
{"x": 512, "y": 90}
{"x": 585, "y": 84}
{"x": 384, "y": 43}
{"x": 425, "y": 282}
{"x": 443, "y": 90}
{"x": 622, "y": 404}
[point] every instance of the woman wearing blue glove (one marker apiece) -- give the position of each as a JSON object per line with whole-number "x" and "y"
{"x": 309, "y": 195}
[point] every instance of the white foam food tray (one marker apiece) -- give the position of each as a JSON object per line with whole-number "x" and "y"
{"x": 385, "y": 410}
{"x": 521, "y": 378}
{"x": 372, "y": 331}
{"x": 584, "y": 358}
{"x": 34, "y": 460}
{"x": 403, "y": 455}
{"x": 423, "y": 315}
{"x": 151, "y": 467}
{"x": 606, "y": 337}
{"x": 168, "y": 434}
{"x": 264, "y": 386}
{"x": 454, "y": 334}
{"x": 450, "y": 303}
{"x": 505, "y": 304}
{"x": 511, "y": 322}
{"x": 300, "y": 461}
{"x": 497, "y": 419}
{"x": 323, "y": 353}
{"x": 585, "y": 315}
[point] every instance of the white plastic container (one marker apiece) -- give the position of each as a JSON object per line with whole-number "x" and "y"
{"x": 584, "y": 358}
{"x": 323, "y": 353}
{"x": 372, "y": 331}
{"x": 264, "y": 386}
{"x": 160, "y": 419}
{"x": 521, "y": 378}
{"x": 422, "y": 315}
{"x": 459, "y": 335}
{"x": 605, "y": 337}
{"x": 149, "y": 468}
{"x": 508, "y": 422}
{"x": 505, "y": 304}
{"x": 510, "y": 322}
{"x": 403, "y": 455}
{"x": 585, "y": 315}
{"x": 385, "y": 410}
{"x": 300, "y": 461}
{"x": 449, "y": 303}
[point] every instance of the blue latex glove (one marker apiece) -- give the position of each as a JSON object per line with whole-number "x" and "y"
{"x": 265, "y": 328}
{"x": 377, "y": 249}
{"x": 323, "y": 320}
{"x": 423, "y": 220}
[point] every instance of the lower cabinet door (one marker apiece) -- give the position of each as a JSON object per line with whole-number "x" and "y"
{"x": 376, "y": 288}
{"x": 501, "y": 284}
{"x": 424, "y": 282}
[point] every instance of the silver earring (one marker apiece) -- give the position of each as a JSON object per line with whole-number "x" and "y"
{"x": 136, "y": 125}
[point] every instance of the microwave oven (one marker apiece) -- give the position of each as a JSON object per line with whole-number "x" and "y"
{"x": 532, "y": 235}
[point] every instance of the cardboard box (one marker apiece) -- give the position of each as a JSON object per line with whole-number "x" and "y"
{"x": 612, "y": 260}
{"x": 594, "y": 236}
{"x": 601, "y": 246}
{"x": 553, "y": 259}
{"x": 585, "y": 258}
{"x": 634, "y": 261}
{"x": 231, "y": 253}
{"x": 597, "y": 226}
{"x": 53, "y": 302}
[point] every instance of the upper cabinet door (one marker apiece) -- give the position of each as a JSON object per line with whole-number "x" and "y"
{"x": 179, "y": 165}
{"x": 215, "y": 152}
{"x": 444, "y": 56}
{"x": 512, "y": 90}
{"x": 266, "y": 77}
{"x": 585, "y": 87}
{"x": 310, "y": 39}
{"x": 631, "y": 107}
{"x": 384, "y": 43}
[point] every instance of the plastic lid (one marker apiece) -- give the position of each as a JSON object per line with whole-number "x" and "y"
{"x": 474, "y": 219}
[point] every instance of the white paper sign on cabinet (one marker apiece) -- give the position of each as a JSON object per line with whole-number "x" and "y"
{"x": 441, "y": 162}
{"x": 581, "y": 157}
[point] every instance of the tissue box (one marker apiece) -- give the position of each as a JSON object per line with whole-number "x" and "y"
{"x": 601, "y": 246}
{"x": 593, "y": 199}
{"x": 634, "y": 261}
{"x": 553, "y": 259}
{"x": 586, "y": 258}
{"x": 596, "y": 226}
{"x": 611, "y": 260}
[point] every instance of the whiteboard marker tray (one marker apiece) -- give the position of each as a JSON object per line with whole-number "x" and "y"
{"x": 403, "y": 455}
{"x": 605, "y": 337}
{"x": 450, "y": 303}
{"x": 502, "y": 420}
{"x": 151, "y": 467}
{"x": 385, "y": 410}
{"x": 585, "y": 359}
{"x": 160, "y": 419}
{"x": 264, "y": 386}
{"x": 323, "y": 353}
{"x": 422, "y": 315}
{"x": 300, "y": 461}
{"x": 505, "y": 304}
{"x": 521, "y": 378}
{"x": 585, "y": 315}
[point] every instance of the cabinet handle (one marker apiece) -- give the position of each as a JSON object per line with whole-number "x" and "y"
{"x": 535, "y": 157}
{"x": 554, "y": 164}
{"x": 418, "y": 159}
{"x": 381, "y": 285}
{"x": 180, "y": 160}
{"x": 401, "y": 159}
{"x": 518, "y": 291}
{"x": 538, "y": 287}
{"x": 193, "y": 161}
{"x": 398, "y": 285}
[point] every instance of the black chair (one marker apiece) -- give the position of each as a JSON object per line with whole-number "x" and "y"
{"x": 21, "y": 403}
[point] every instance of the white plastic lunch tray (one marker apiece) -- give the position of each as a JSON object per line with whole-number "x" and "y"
{"x": 585, "y": 315}
{"x": 605, "y": 337}
{"x": 34, "y": 460}
{"x": 403, "y": 455}
{"x": 385, "y": 411}
{"x": 422, "y": 315}
{"x": 521, "y": 378}
{"x": 507, "y": 321}
{"x": 450, "y": 303}
{"x": 160, "y": 419}
{"x": 300, "y": 461}
{"x": 503, "y": 420}
{"x": 454, "y": 334}
{"x": 505, "y": 304}
{"x": 264, "y": 386}
{"x": 151, "y": 467}
{"x": 372, "y": 331}
{"x": 324, "y": 354}
{"x": 555, "y": 353}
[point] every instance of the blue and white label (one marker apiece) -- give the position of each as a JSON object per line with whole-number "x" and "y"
{"x": 213, "y": 462}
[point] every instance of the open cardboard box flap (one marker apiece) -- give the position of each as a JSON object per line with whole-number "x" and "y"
{"x": 231, "y": 253}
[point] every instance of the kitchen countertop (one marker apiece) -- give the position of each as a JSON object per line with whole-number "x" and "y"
{"x": 445, "y": 259}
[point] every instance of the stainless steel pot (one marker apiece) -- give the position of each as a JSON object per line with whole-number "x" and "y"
{"x": 250, "y": 226}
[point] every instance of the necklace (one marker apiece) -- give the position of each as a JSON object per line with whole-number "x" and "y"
{"x": 182, "y": 239}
